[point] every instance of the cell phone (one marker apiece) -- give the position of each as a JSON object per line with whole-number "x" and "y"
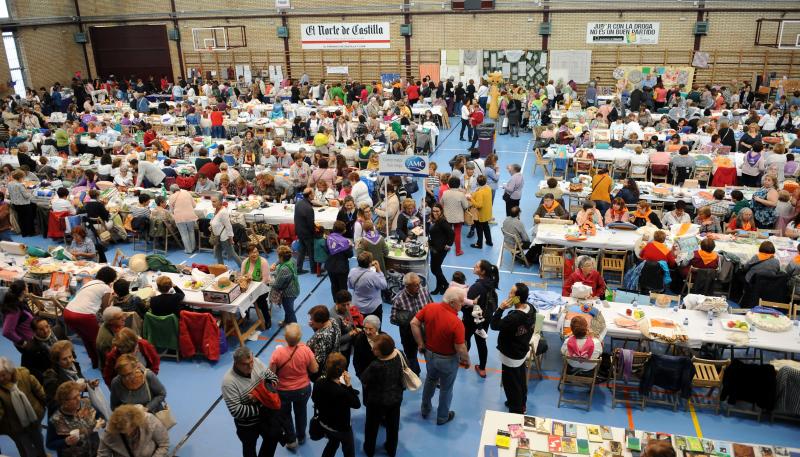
{"x": 515, "y": 300}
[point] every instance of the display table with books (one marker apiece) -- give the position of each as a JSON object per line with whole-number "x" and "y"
{"x": 515, "y": 435}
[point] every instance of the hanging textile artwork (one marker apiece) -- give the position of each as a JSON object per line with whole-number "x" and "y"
{"x": 525, "y": 68}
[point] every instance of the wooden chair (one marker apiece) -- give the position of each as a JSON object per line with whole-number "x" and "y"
{"x": 535, "y": 360}
{"x": 703, "y": 174}
{"x": 617, "y": 380}
{"x": 583, "y": 380}
{"x": 47, "y": 308}
{"x": 513, "y": 244}
{"x": 169, "y": 232}
{"x": 636, "y": 176}
{"x": 583, "y": 166}
{"x": 595, "y": 254}
{"x": 690, "y": 280}
{"x": 546, "y": 164}
{"x": 708, "y": 374}
{"x": 794, "y": 301}
{"x": 552, "y": 261}
{"x": 662, "y": 175}
{"x": 674, "y": 300}
{"x": 607, "y": 164}
{"x": 787, "y": 307}
{"x": 614, "y": 262}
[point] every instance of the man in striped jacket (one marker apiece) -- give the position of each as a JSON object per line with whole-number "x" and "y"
{"x": 250, "y": 417}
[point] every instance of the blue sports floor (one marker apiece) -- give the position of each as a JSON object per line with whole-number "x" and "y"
{"x": 206, "y": 429}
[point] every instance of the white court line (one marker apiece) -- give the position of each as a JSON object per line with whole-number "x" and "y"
{"x": 501, "y": 271}
{"x": 499, "y": 152}
{"x": 192, "y": 256}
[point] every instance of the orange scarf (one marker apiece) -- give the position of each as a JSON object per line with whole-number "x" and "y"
{"x": 550, "y": 208}
{"x": 684, "y": 228}
{"x": 797, "y": 258}
{"x": 707, "y": 257}
{"x": 763, "y": 256}
{"x": 646, "y": 216}
{"x": 748, "y": 226}
{"x": 661, "y": 247}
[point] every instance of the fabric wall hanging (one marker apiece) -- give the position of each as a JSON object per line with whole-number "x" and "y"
{"x": 525, "y": 68}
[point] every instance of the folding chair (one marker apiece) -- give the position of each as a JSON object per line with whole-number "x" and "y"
{"x": 581, "y": 380}
{"x": 534, "y": 359}
{"x": 708, "y": 374}
{"x": 162, "y": 332}
{"x": 786, "y": 307}
{"x": 546, "y": 164}
{"x": 617, "y": 379}
{"x": 614, "y": 262}
{"x": 515, "y": 248}
{"x": 552, "y": 261}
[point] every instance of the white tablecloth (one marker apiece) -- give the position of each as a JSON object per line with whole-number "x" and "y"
{"x": 195, "y": 297}
{"x": 698, "y": 330}
{"x": 605, "y": 238}
{"x": 275, "y": 214}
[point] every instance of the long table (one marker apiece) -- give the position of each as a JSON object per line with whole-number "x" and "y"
{"x": 496, "y": 420}
{"x": 625, "y": 240}
{"x": 698, "y": 331}
{"x": 230, "y": 313}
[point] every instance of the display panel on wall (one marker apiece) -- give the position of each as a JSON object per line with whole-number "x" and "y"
{"x": 345, "y": 35}
{"x": 622, "y": 32}
{"x": 636, "y": 75}
{"x": 525, "y": 68}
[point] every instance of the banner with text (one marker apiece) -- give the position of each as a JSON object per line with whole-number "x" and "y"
{"x": 345, "y": 35}
{"x": 622, "y": 32}
{"x": 403, "y": 165}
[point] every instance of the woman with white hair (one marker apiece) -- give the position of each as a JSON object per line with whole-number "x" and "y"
{"x": 22, "y": 401}
{"x": 364, "y": 343}
{"x": 293, "y": 364}
{"x": 586, "y": 273}
{"x": 133, "y": 432}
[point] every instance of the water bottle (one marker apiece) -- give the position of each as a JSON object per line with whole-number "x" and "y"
{"x": 686, "y": 321}
{"x": 710, "y": 318}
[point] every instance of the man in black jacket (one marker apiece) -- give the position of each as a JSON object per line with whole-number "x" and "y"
{"x": 304, "y": 229}
{"x": 513, "y": 342}
{"x": 636, "y": 99}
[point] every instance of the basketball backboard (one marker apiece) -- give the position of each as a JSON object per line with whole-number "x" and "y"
{"x": 778, "y": 33}
{"x": 219, "y": 38}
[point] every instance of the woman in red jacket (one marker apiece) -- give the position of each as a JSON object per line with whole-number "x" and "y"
{"x": 217, "y": 120}
{"x": 126, "y": 342}
{"x": 656, "y": 250}
{"x": 586, "y": 273}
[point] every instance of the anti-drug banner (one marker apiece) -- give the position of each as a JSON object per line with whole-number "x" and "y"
{"x": 403, "y": 165}
{"x": 622, "y": 32}
{"x": 345, "y": 35}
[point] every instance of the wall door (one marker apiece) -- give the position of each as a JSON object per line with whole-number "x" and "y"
{"x": 141, "y": 50}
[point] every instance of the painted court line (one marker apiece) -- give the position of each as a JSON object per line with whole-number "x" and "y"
{"x": 697, "y": 430}
{"x": 468, "y": 268}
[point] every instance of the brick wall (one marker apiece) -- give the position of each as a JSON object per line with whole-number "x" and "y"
{"x": 49, "y": 53}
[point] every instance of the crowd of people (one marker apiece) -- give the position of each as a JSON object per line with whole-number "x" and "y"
{"x": 331, "y": 169}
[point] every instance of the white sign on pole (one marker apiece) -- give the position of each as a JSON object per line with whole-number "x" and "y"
{"x": 622, "y": 32}
{"x": 345, "y": 35}
{"x": 403, "y": 165}
{"x": 283, "y": 4}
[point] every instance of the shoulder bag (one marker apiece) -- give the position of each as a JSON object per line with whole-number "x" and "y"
{"x": 410, "y": 379}
{"x": 165, "y": 415}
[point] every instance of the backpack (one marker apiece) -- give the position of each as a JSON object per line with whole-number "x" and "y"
{"x": 371, "y": 188}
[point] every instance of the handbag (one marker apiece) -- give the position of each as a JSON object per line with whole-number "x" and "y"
{"x": 165, "y": 415}
{"x": 470, "y": 215}
{"x": 99, "y": 402}
{"x": 213, "y": 238}
{"x": 401, "y": 317}
{"x": 410, "y": 379}
{"x": 315, "y": 430}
